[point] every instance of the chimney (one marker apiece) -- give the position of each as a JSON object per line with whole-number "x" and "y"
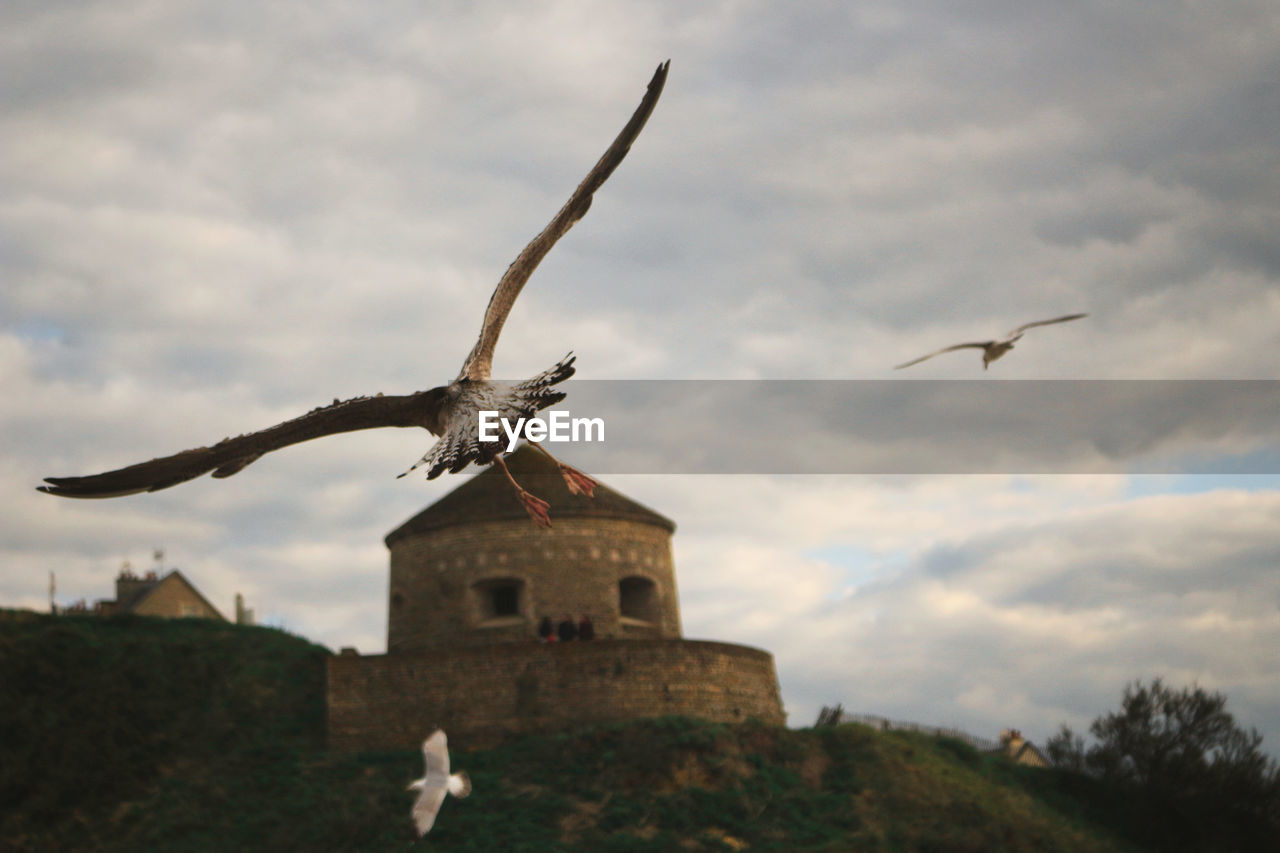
{"x": 244, "y": 615}
{"x": 129, "y": 586}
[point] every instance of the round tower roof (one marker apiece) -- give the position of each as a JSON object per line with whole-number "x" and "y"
{"x": 489, "y": 497}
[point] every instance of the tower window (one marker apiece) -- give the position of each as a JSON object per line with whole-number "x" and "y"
{"x": 497, "y": 599}
{"x": 505, "y": 600}
{"x": 638, "y": 599}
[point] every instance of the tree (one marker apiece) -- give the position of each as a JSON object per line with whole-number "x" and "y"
{"x": 1194, "y": 778}
{"x": 1066, "y": 749}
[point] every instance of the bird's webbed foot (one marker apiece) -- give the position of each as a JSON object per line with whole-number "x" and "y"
{"x": 578, "y": 482}
{"x": 534, "y": 505}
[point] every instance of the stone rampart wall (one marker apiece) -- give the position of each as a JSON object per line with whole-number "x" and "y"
{"x": 480, "y": 694}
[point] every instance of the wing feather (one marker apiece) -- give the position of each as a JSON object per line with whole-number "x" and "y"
{"x": 426, "y": 807}
{"x": 232, "y": 454}
{"x": 480, "y": 362}
{"x": 976, "y": 345}
{"x": 1062, "y": 319}
{"x": 435, "y": 758}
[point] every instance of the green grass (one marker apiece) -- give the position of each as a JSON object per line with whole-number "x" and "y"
{"x": 141, "y": 734}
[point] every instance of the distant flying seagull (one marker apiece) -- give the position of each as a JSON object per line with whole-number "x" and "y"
{"x": 449, "y": 411}
{"x": 991, "y": 350}
{"x": 436, "y": 782}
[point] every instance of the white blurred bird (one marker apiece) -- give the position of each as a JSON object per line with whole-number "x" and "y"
{"x": 991, "y": 350}
{"x": 436, "y": 782}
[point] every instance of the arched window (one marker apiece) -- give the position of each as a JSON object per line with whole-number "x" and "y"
{"x": 638, "y": 599}
{"x": 499, "y": 598}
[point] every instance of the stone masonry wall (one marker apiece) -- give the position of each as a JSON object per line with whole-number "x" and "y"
{"x": 571, "y": 569}
{"x": 478, "y": 695}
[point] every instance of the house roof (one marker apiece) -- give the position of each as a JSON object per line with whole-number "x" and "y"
{"x": 140, "y": 589}
{"x": 177, "y": 577}
{"x": 1029, "y": 748}
{"x": 489, "y": 497}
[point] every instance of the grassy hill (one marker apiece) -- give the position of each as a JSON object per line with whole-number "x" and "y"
{"x": 141, "y": 734}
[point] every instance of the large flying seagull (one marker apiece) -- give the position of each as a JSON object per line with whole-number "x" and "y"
{"x": 449, "y": 411}
{"x": 991, "y": 350}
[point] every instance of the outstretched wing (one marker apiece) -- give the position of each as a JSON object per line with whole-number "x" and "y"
{"x": 1062, "y": 319}
{"x": 435, "y": 758}
{"x": 435, "y": 781}
{"x": 426, "y": 807}
{"x": 479, "y": 363}
{"x": 232, "y": 454}
{"x": 976, "y": 345}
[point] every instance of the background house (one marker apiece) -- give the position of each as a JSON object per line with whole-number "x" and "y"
{"x": 170, "y": 597}
{"x": 1021, "y": 750}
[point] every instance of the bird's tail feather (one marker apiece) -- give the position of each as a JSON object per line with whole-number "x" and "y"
{"x": 460, "y": 784}
{"x": 454, "y": 451}
{"x": 538, "y": 386}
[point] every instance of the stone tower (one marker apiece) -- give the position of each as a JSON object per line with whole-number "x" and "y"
{"x": 471, "y": 578}
{"x": 466, "y": 571}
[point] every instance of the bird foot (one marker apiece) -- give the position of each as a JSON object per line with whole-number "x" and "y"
{"x": 536, "y": 507}
{"x": 578, "y": 482}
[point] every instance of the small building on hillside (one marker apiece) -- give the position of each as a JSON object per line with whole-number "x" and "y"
{"x": 471, "y": 581}
{"x": 1020, "y": 750}
{"x": 170, "y": 597}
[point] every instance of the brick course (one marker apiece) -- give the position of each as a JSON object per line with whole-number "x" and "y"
{"x": 437, "y": 580}
{"x": 392, "y": 701}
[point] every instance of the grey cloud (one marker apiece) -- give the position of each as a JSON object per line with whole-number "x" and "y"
{"x": 231, "y": 213}
{"x": 67, "y": 73}
{"x": 914, "y": 427}
{"x": 1115, "y": 226}
{"x": 1111, "y": 596}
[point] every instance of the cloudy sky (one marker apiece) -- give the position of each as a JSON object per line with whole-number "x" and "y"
{"x": 215, "y": 216}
